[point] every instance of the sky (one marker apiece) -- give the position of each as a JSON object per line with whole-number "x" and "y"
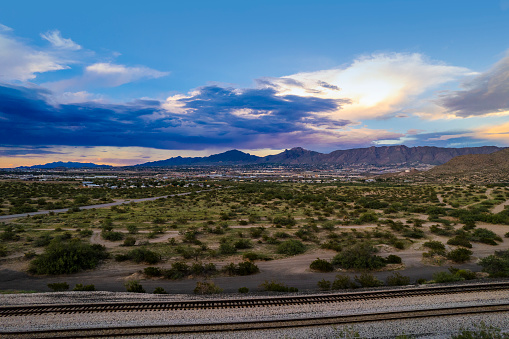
{"x": 126, "y": 82}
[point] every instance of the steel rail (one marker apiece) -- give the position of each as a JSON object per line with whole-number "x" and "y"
{"x": 171, "y": 329}
{"x": 6, "y": 311}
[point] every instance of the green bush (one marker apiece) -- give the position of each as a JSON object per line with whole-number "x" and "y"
{"x": 132, "y": 229}
{"x": 243, "y": 268}
{"x": 159, "y": 290}
{"x": 81, "y": 287}
{"x": 255, "y": 256}
{"x": 497, "y": 264}
{"x": 393, "y": 259}
{"x": 465, "y": 274}
{"x": 291, "y": 247}
{"x": 321, "y": 265}
{"x": 243, "y": 290}
{"x": 227, "y": 248}
{"x": 243, "y": 244}
{"x": 152, "y": 271}
{"x": 139, "y": 255}
{"x": 436, "y": 246}
{"x": 459, "y": 241}
{"x": 324, "y": 285}
{"x": 342, "y": 282}
{"x": 368, "y": 280}
{"x": 446, "y": 277}
{"x": 359, "y": 256}
{"x": 59, "y": 287}
{"x": 67, "y": 257}
{"x": 485, "y": 236}
{"x": 134, "y": 286}
{"x": 459, "y": 255}
{"x": 112, "y": 236}
{"x": 207, "y": 288}
{"x": 129, "y": 241}
{"x": 396, "y": 279}
{"x": 277, "y": 287}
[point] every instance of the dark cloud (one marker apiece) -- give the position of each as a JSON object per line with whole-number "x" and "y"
{"x": 485, "y": 94}
{"x": 10, "y": 151}
{"x": 329, "y": 86}
{"x": 213, "y": 119}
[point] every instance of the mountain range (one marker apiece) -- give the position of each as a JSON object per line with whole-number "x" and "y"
{"x": 378, "y": 156}
{"x": 69, "y": 164}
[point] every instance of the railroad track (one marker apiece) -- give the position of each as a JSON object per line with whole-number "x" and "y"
{"x": 147, "y": 331}
{"x": 7, "y": 311}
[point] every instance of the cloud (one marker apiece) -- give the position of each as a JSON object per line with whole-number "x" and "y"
{"x": 4, "y": 28}
{"x": 105, "y": 74}
{"x": 56, "y": 39}
{"x": 212, "y": 119}
{"x": 19, "y": 62}
{"x": 377, "y": 86}
{"x": 486, "y": 94}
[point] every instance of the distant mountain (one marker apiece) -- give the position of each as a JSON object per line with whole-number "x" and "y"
{"x": 60, "y": 164}
{"x": 378, "y": 156}
{"x": 233, "y": 157}
{"x": 483, "y": 168}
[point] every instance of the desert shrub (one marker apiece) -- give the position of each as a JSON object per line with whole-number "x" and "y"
{"x": 324, "y": 285}
{"x": 86, "y": 233}
{"x": 459, "y": 255}
{"x": 112, "y": 236}
{"x": 359, "y": 256}
{"x": 414, "y": 233}
{"x": 445, "y": 231}
{"x": 291, "y": 247}
{"x": 482, "y": 331}
{"x": 159, "y": 290}
{"x": 342, "y": 282}
{"x": 465, "y": 274}
{"x": 134, "y": 286}
{"x": 121, "y": 257}
{"x": 446, "y": 277}
{"x": 275, "y": 286}
{"x": 9, "y": 234}
{"x": 506, "y": 235}
{"x": 81, "y": 287}
{"x": 485, "y": 236}
{"x": 282, "y": 235}
{"x": 152, "y": 271}
{"x": 129, "y": 241}
{"x": 256, "y": 232}
{"x": 207, "y": 288}
{"x": 67, "y": 257}
{"x": 436, "y": 246}
{"x": 368, "y": 280}
{"x": 43, "y": 240}
{"x": 497, "y": 264}
{"x": 227, "y": 248}
{"x": 287, "y": 221}
{"x": 243, "y": 222}
{"x": 58, "y": 287}
{"x": 256, "y": 256}
{"x": 139, "y": 255}
{"x": 393, "y": 259}
{"x": 321, "y": 265}
{"x": 243, "y": 244}
{"x": 30, "y": 255}
{"x": 178, "y": 270}
{"x": 396, "y": 279}
{"x": 3, "y": 251}
{"x": 459, "y": 241}
{"x": 243, "y": 290}
{"x": 243, "y": 268}
{"x": 132, "y": 229}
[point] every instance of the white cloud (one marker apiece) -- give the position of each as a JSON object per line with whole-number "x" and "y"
{"x": 4, "y": 28}
{"x": 378, "y": 86}
{"x": 21, "y": 62}
{"x": 117, "y": 75}
{"x": 56, "y": 39}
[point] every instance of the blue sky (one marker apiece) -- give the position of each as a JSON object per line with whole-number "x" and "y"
{"x": 124, "y": 82}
